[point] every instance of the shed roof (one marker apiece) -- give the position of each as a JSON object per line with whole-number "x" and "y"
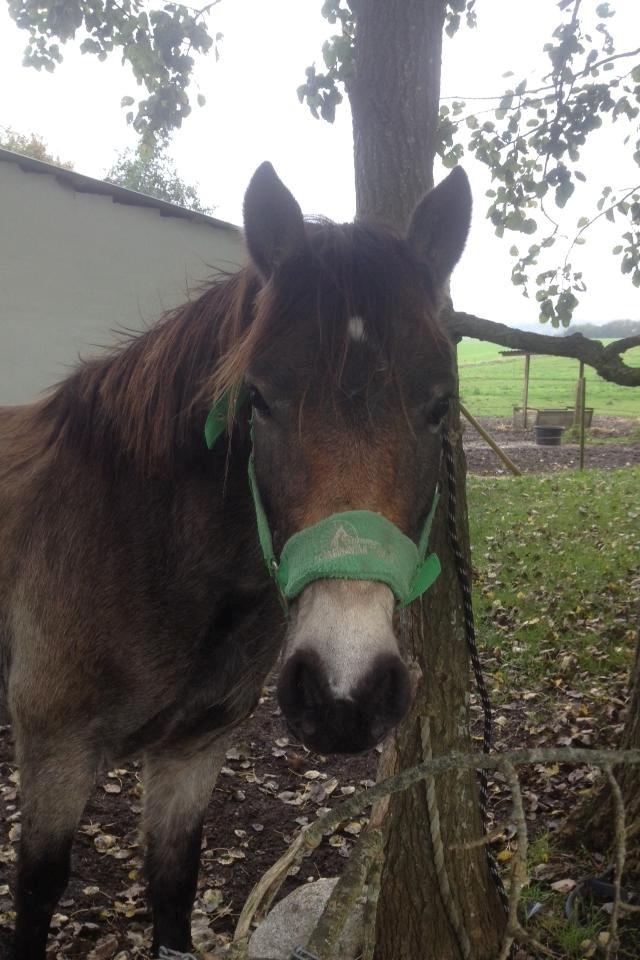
{"x": 83, "y": 184}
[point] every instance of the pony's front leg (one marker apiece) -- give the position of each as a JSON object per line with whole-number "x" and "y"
{"x": 177, "y": 786}
{"x": 55, "y": 782}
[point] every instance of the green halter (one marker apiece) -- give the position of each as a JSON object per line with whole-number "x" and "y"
{"x": 353, "y": 545}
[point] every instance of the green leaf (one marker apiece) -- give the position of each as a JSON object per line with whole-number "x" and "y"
{"x": 546, "y": 310}
{"x": 563, "y": 192}
{"x": 507, "y": 100}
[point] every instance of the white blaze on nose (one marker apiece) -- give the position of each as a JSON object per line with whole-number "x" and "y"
{"x": 356, "y": 328}
{"x": 348, "y": 624}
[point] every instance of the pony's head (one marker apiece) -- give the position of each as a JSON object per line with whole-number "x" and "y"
{"x": 349, "y": 378}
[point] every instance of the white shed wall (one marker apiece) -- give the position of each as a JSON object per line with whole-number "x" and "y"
{"x": 77, "y": 267}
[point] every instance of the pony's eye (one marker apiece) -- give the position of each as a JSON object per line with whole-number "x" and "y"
{"x": 439, "y": 411}
{"x": 258, "y": 402}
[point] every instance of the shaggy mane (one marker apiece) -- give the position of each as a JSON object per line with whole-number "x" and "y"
{"x": 348, "y": 270}
{"x": 145, "y": 402}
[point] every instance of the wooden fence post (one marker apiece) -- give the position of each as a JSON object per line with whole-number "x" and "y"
{"x": 525, "y": 404}
{"x": 583, "y": 400}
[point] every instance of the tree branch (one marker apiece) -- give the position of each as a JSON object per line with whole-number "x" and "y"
{"x": 349, "y": 888}
{"x": 605, "y": 360}
{"x": 266, "y": 889}
{"x": 620, "y": 851}
{"x": 519, "y": 878}
{"x": 550, "y": 86}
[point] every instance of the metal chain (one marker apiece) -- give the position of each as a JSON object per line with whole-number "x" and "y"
{"x": 470, "y": 633}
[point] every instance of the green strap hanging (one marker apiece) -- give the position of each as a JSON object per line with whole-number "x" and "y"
{"x": 218, "y": 418}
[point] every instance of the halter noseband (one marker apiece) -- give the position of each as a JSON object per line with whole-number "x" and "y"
{"x": 351, "y": 545}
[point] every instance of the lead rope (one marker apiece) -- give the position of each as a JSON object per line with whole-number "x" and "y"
{"x": 470, "y": 633}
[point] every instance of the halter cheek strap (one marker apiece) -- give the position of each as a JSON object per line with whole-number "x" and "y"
{"x": 351, "y": 545}
{"x": 218, "y": 417}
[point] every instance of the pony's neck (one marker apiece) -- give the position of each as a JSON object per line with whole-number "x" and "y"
{"x": 144, "y": 405}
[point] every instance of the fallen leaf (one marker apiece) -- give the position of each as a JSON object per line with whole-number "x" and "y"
{"x": 563, "y": 886}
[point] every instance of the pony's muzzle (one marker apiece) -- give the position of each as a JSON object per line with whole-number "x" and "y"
{"x": 327, "y": 721}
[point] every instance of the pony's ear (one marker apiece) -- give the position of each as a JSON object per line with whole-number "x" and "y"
{"x": 440, "y": 224}
{"x": 273, "y": 224}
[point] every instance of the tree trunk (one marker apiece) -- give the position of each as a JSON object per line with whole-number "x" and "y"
{"x": 394, "y": 103}
{"x": 394, "y": 100}
{"x": 592, "y": 822}
{"x": 413, "y": 920}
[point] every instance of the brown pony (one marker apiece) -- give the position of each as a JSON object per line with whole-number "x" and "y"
{"x": 136, "y": 613}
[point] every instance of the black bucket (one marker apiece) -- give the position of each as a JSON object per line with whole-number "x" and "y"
{"x": 548, "y": 436}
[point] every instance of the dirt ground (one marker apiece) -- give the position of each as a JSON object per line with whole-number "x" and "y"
{"x": 267, "y": 789}
{"x": 270, "y": 786}
{"x": 612, "y": 442}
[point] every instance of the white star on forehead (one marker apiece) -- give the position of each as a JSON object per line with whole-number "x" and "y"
{"x": 356, "y": 328}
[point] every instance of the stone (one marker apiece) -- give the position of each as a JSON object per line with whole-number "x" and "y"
{"x": 291, "y": 922}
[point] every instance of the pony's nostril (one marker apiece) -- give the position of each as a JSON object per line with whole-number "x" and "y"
{"x": 343, "y": 724}
{"x": 391, "y": 688}
{"x": 388, "y": 689}
{"x": 300, "y": 688}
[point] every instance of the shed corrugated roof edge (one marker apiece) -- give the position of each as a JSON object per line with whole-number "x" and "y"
{"x": 131, "y": 198}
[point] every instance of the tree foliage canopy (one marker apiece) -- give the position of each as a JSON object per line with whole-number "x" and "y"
{"x": 155, "y": 174}
{"x": 31, "y": 145}
{"x": 531, "y": 137}
{"x": 157, "y": 42}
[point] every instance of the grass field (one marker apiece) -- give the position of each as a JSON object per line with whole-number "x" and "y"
{"x": 491, "y": 385}
{"x": 557, "y": 562}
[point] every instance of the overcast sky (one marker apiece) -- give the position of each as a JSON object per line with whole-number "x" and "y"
{"x": 253, "y": 114}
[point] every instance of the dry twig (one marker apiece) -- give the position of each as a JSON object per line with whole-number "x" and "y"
{"x": 349, "y": 887}
{"x": 620, "y": 849}
{"x": 371, "y": 905}
{"x": 519, "y": 878}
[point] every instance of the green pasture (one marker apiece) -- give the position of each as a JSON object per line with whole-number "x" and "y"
{"x": 556, "y": 574}
{"x": 491, "y": 385}
{"x": 556, "y": 560}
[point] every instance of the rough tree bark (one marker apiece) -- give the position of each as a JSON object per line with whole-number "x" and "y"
{"x": 413, "y": 921}
{"x": 394, "y": 100}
